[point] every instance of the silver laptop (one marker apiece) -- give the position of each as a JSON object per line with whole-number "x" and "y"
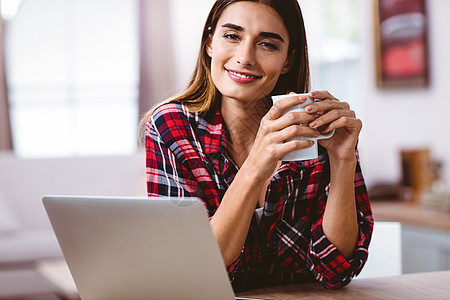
{"x": 139, "y": 248}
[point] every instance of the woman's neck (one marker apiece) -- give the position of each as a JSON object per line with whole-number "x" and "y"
{"x": 242, "y": 120}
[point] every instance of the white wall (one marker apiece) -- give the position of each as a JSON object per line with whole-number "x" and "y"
{"x": 187, "y": 21}
{"x": 406, "y": 118}
{"x": 392, "y": 119}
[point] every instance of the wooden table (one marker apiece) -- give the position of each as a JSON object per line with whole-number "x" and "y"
{"x": 433, "y": 285}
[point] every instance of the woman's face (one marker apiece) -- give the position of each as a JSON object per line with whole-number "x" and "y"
{"x": 248, "y": 51}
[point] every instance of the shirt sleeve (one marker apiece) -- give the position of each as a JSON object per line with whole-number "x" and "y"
{"x": 325, "y": 261}
{"x": 236, "y": 265}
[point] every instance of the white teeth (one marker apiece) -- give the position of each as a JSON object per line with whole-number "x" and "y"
{"x": 241, "y": 75}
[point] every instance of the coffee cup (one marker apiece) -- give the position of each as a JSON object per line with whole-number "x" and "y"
{"x": 306, "y": 153}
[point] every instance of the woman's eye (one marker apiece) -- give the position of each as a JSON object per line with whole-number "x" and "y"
{"x": 231, "y": 36}
{"x": 270, "y": 45}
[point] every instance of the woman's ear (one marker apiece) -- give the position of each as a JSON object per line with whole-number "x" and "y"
{"x": 289, "y": 63}
{"x": 209, "y": 46}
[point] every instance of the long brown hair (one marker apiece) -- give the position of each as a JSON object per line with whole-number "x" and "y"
{"x": 201, "y": 94}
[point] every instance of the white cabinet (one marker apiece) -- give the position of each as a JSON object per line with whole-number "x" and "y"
{"x": 424, "y": 249}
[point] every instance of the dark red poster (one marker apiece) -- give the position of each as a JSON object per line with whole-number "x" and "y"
{"x": 402, "y": 45}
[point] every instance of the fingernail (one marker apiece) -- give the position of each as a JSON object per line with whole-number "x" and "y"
{"x": 312, "y": 94}
{"x": 313, "y": 124}
{"x": 308, "y": 109}
{"x": 302, "y": 98}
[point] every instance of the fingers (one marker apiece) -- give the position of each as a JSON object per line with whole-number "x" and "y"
{"x": 332, "y": 116}
{"x": 322, "y": 117}
{"x": 293, "y": 145}
{"x": 350, "y": 123}
{"x": 329, "y": 110}
{"x": 322, "y": 95}
{"x": 325, "y": 105}
{"x": 280, "y": 117}
{"x": 277, "y": 109}
{"x": 276, "y": 132}
{"x": 279, "y": 150}
{"x": 289, "y": 119}
{"x": 296, "y": 131}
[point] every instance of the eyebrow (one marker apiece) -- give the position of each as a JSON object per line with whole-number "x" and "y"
{"x": 263, "y": 34}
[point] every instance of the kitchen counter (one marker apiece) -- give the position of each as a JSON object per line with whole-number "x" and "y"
{"x": 411, "y": 214}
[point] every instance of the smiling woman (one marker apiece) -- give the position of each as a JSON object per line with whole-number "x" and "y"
{"x": 222, "y": 140}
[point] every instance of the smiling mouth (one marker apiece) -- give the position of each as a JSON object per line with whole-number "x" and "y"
{"x": 243, "y": 75}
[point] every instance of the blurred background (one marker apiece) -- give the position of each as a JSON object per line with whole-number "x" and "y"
{"x": 77, "y": 75}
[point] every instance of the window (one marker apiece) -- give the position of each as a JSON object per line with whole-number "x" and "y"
{"x": 72, "y": 68}
{"x": 333, "y": 31}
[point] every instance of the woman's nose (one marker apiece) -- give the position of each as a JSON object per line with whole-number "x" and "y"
{"x": 245, "y": 54}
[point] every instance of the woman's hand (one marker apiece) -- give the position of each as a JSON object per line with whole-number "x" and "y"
{"x": 274, "y": 131}
{"x": 333, "y": 114}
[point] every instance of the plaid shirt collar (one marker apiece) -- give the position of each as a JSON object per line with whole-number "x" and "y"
{"x": 214, "y": 139}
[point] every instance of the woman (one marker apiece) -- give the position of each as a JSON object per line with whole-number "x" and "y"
{"x": 222, "y": 140}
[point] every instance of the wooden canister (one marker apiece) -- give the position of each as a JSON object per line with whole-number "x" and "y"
{"x": 416, "y": 171}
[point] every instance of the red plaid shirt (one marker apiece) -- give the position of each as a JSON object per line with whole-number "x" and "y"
{"x": 187, "y": 156}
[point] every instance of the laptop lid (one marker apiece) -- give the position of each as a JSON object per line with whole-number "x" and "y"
{"x": 139, "y": 248}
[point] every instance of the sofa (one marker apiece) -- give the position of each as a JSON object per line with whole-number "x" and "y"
{"x": 26, "y": 236}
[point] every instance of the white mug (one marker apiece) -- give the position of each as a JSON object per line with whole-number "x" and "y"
{"x": 307, "y": 153}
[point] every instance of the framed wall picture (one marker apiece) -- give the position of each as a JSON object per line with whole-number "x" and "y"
{"x": 401, "y": 43}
